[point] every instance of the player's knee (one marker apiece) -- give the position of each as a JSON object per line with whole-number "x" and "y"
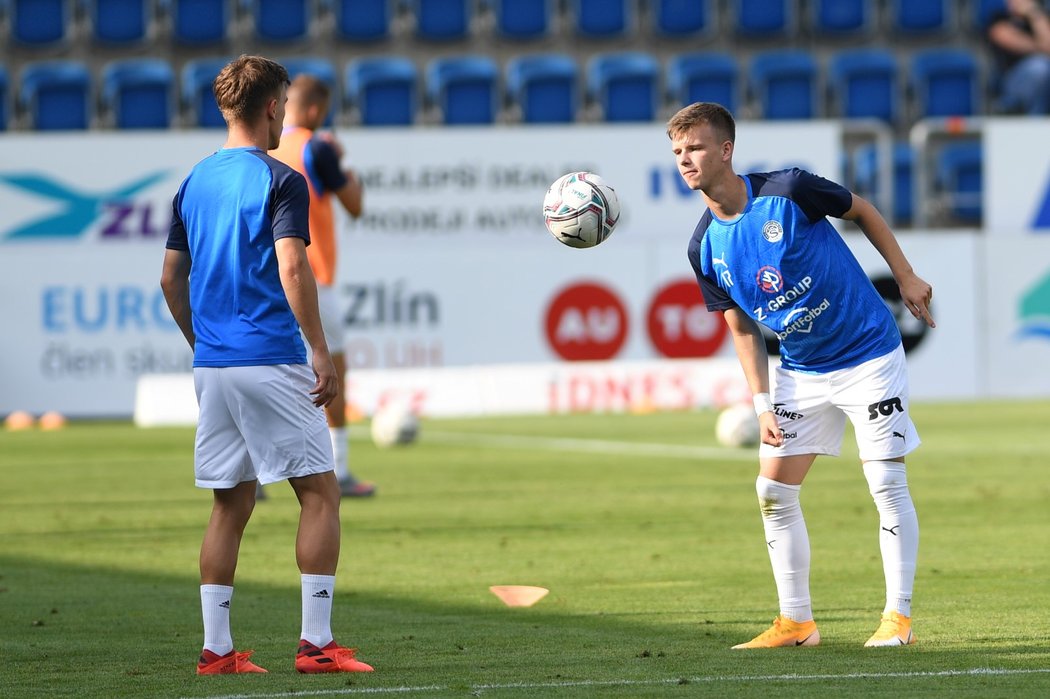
{"x": 776, "y": 498}
{"x": 885, "y": 476}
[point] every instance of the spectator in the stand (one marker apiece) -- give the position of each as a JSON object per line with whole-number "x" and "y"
{"x": 1019, "y": 36}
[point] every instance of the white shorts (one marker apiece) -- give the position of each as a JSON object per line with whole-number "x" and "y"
{"x": 258, "y": 422}
{"x": 812, "y": 410}
{"x": 331, "y": 309}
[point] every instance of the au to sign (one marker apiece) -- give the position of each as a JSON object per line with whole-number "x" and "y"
{"x": 588, "y": 321}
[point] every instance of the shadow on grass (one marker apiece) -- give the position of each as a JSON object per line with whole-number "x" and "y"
{"x": 92, "y": 632}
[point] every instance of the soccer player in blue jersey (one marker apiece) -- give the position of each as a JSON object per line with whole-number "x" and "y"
{"x": 239, "y": 286}
{"x": 764, "y": 252}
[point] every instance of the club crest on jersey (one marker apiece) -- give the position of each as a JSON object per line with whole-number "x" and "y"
{"x": 772, "y": 231}
{"x": 769, "y": 280}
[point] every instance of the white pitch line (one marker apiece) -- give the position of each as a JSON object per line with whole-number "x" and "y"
{"x": 591, "y": 446}
{"x": 477, "y": 688}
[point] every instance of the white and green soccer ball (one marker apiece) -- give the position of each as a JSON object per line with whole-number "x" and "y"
{"x": 581, "y": 209}
{"x": 737, "y": 426}
{"x": 394, "y": 424}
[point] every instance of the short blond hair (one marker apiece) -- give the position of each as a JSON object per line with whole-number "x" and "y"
{"x": 711, "y": 113}
{"x": 244, "y": 87}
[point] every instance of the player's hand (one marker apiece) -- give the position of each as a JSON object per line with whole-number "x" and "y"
{"x": 326, "y": 388}
{"x": 769, "y": 429}
{"x": 917, "y": 295}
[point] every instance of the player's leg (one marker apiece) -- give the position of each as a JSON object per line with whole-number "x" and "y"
{"x": 787, "y": 543}
{"x": 875, "y": 396}
{"x": 221, "y": 462}
{"x": 335, "y": 412}
{"x": 811, "y": 426}
{"x": 317, "y": 553}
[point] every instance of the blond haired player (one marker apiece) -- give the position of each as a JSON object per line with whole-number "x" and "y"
{"x": 317, "y": 157}
{"x": 237, "y": 283}
{"x": 765, "y": 252}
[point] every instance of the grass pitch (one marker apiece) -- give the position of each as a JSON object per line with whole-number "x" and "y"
{"x": 646, "y": 533}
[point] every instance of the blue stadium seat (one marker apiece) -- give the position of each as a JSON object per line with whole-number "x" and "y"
{"x": 197, "y": 95}
{"x": 384, "y": 90}
{"x": 545, "y": 86}
{"x": 960, "y": 179}
{"x": 56, "y": 95}
{"x": 320, "y": 68}
{"x": 983, "y": 10}
{"x": 120, "y": 21}
{"x": 281, "y": 20}
{"x": 3, "y": 99}
{"x": 681, "y": 18}
{"x": 442, "y": 20}
{"x": 40, "y": 22}
{"x": 865, "y": 83}
{"x": 523, "y": 19}
{"x": 919, "y": 17}
{"x": 785, "y": 84}
{"x": 464, "y": 88}
{"x": 945, "y": 82}
{"x": 764, "y": 19}
{"x": 866, "y": 168}
{"x": 842, "y": 18}
{"x": 363, "y": 20}
{"x": 139, "y": 93}
{"x": 704, "y": 77}
{"x": 625, "y": 85}
{"x": 600, "y": 19}
{"x": 197, "y": 22}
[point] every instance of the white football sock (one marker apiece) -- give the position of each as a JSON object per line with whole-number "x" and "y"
{"x": 318, "y": 591}
{"x": 787, "y": 542}
{"x": 215, "y": 607}
{"x": 341, "y": 452}
{"x": 898, "y": 531}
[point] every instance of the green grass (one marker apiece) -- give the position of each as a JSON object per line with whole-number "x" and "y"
{"x": 654, "y": 558}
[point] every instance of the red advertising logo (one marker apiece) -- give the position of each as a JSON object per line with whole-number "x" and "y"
{"x": 680, "y": 324}
{"x": 586, "y": 321}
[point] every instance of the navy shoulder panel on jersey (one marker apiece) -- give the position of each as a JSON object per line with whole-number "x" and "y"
{"x": 715, "y": 297}
{"x": 322, "y": 162}
{"x": 816, "y": 196}
{"x": 290, "y": 200}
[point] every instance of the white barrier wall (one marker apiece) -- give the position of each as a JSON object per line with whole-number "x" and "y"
{"x": 451, "y": 266}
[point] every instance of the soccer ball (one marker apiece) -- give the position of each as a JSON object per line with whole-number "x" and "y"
{"x": 394, "y": 423}
{"x": 581, "y": 209}
{"x": 737, "y": 426}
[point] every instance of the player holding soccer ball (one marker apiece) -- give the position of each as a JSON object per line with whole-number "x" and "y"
{"x": 764, "y": 252}
{"x": 239, "y": 286}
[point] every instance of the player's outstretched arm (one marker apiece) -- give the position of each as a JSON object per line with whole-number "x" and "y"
{"x": 301, "y": 291}
{"x": 754, "y": 359}
{"x": 175, "y": 283}
{"x": 915, "y": 292}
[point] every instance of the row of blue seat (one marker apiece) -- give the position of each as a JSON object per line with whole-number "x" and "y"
{"x": 46, "y": 22}
{"x": 957, "y": 179}
{"x": 472, "y": 89}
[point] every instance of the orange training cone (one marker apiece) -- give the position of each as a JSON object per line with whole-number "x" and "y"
{"x": 519, "y": 595}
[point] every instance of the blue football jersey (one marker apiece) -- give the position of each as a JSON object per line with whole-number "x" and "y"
{"x": 227, "y": 215}
{"x": 784, "y": 264}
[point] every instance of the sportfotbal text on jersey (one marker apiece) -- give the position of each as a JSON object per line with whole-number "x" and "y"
{"x": 804, "y": 323}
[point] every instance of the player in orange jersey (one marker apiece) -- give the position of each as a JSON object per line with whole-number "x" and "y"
{"x": 317, "y": 156}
